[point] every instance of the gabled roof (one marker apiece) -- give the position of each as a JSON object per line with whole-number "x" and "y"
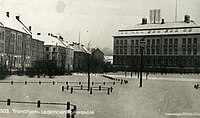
{"x": 80, "y": 48}
{"x": 49, "y": 40}
{"x": 12, "y": 23}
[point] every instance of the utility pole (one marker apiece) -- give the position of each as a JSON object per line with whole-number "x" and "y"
{"x": 88, "y": 69}
{"x": 141, "y": 61}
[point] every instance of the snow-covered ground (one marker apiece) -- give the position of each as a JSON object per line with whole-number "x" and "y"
{"x": 156, "y": 99}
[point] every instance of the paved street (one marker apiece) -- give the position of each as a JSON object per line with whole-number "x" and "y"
{"x": 155, "y": 99}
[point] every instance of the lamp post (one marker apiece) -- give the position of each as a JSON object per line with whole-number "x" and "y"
{"x": 142, "y": 42}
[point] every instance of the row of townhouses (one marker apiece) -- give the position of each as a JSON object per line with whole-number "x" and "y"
{"x": 21, "y": 49}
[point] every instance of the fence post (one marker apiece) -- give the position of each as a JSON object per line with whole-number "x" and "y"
{"x": 108, "y": 91}
{"x": 39, "y": 82}
{"x": 99, "y": 87}
{"x": 53, "y": 82}
{"x": 8, "y": 102}
{"x": 91, "y": 90}
{"x": 25, "y": 82}
{"x": 71, "y": 90}
{"x": 68, "y": 108}
{"x": 104, "y": 83}
{"x": 66, "y": 82}
{"x": 73, "y": 111}
{"x": 81, "y": 87}
{"x": 38, "y": 104}
{"x": 63, "y": 88}
{"x": 11, "y": 82}
{"x": 111, "y": 89}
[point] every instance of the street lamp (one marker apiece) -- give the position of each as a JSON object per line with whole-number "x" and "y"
{"x": 142, "y": 42}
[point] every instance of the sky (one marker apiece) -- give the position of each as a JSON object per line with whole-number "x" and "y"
{"x": 96, "y": 20}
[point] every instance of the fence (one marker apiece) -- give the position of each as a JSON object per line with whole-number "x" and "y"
{"x": 81, "y": 87}
{"x": 117, "y": 81}
{"x": 39, "y": 103}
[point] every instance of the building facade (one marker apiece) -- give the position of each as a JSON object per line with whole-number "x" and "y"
{"x": 81, "y": 57}
{"x": 15, "y": 43}
{"x": 167, "y": 47}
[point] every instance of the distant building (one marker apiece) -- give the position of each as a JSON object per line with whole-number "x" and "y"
{"x": 97, "y": 60}
{"x": 168, "y": 46}
{"x": 81, "y": 55}
{"x": 56, "y": 51}
{"x": 98, "y": 54}
{"x": 108, "y": 59}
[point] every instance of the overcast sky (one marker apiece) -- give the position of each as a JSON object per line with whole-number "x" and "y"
{"x": 97, "y": 20}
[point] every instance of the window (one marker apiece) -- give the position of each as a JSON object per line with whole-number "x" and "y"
{"x": 54, "y": 49}
{"x": 189, "y": 62}
{"x": 170, "y": 41}
{"x": 137, "y": 42}
{"x": 132, "y": 42}
{"x": 1, "y": 47}
{"x": 148, "y": 51}
{"x": 47, "y": 48}
{"x": 170, "y": 51}
{"x": 152, "y": 51}
{"x": 189, "y": 51}
{"x": 121, "y": 51}
{"x": 125, "y": 42}
{"x": 176, "y": 41}
{"x": 125, "y": 51}
{"x": 165, "y": 41}
{"x": 184, "y": 51}
{"x": 175, "y": 51}
{"x": 148, "y": 41}
{"x": 136, "y": 51}
{"x": 194, "y": 40}
{"x": 194, "y": 51}
{"x": 117, "y": 51}
{"x": 184, "y": 40}
{"x": 189, "y": 40}
{"x": 165, "y": 51}
{"x": 132, "y": 51}
{"x": 153, "y": 41}
{"x": 158, "y": 41}
{"x": 157, "y": 51}
{"x": 121, "y": 42}
{"x": 117, "y": 42}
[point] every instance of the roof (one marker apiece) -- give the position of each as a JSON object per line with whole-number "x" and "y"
{"x": 48, "y": 40}
{"x": 13, "y": 23}
{"x": 168, "y": 28}
{"x": 80, "y": 48}
{"x": 97, "y": 50}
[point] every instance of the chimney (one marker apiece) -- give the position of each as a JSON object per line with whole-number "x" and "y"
{"x": 144, "y": 20}
{"x": 30, "y": 28}
{"x": 38, "y": 34}
{"x": 18, "y": 17}
{"x": 187, "y": 19}
{"x": 8, "y": 14}
{"x": 163, "y": 21}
